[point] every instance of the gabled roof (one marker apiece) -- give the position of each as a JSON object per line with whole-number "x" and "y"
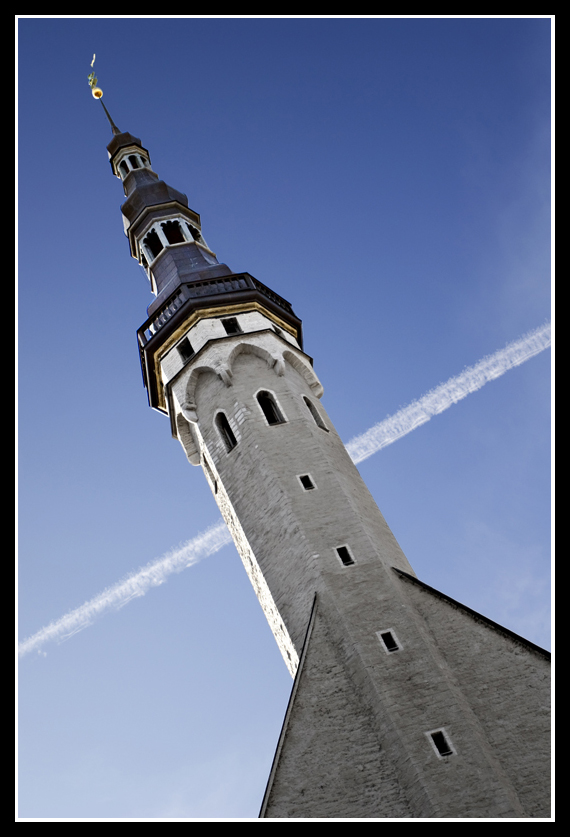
{"x": 473, "y": 613}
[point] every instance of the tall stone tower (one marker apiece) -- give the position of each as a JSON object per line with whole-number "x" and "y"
{"x": 405, "y": 703}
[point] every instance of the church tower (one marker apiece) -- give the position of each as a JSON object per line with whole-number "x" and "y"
{"x": 405, "y": 703}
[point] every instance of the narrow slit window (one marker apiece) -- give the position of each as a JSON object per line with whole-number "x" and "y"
{"x": 226, "y": 432}
{"x": 173, "y": 232}
{"x": 232, "y": 326}
{"x": 441, "y": 744}
{"x": 185, "y": 349}
{"x": 270, "y": 409}
{"x": 307, "y": 482}
{"x": 345, "y": 556}
{"x": 154, "y": 244}
{"x": 315, "y": 414}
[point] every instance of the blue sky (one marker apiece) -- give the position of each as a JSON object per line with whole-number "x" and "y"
{"x": 391, "y": 179}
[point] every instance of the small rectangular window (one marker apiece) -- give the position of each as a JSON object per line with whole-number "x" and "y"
{"x": 440, "y": 743}
{"x": 307, "y": 482}
{"x": 344, "y": 555}
{"x": 232, "y": 326}
{"x": 185, "y": 349}
{"x": 389, "y": 641}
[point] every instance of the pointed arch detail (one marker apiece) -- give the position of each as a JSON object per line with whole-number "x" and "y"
{"x": 243, "y": 347}
{"x": 305, "y": 370}
{"x": 224, "y": 371}
{"x": 221, "y": 372}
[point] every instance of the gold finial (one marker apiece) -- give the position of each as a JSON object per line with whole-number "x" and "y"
{"x": 92, "y": 79}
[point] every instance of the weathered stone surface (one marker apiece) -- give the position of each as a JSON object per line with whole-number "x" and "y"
{"x": 357, "y": 742}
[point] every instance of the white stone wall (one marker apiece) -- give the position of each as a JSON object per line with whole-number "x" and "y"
{"x": 211, "y": 328}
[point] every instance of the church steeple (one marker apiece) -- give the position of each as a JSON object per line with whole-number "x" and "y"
{"x": 189, "y": 283}
{"x": 156, "y": 216}
{"x": 391, "y": 714}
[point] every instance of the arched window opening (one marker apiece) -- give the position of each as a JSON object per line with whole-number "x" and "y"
{"x": 193, "y": 232}
{"x": 133, "y": 161}
{"x": 226, "y": 432}
{"x": 154, "y": 244}
{"x": 124, "y": 168}
{"x": 173, "y": 232}
{"x": 270, "y": 409}
{"x": 315, "y": 414}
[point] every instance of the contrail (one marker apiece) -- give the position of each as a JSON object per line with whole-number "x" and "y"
{"x": 135, "y": 584}
{"x": 443, "y": 396}
{"x": 359, "y": 448}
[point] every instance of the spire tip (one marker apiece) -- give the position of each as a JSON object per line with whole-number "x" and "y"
{"x": 98, "y": 93}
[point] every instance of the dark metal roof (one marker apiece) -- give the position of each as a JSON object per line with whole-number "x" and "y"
{"x": 121, "y": 141}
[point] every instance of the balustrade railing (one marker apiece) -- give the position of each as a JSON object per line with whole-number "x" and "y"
{"x": 207, "y": 287}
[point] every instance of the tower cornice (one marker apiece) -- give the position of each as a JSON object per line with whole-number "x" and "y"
{"x": 249, "y": 339}
{"x": 189, "y": 305}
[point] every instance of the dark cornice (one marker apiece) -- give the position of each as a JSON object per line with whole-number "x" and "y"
{"x": 253, "y": 292}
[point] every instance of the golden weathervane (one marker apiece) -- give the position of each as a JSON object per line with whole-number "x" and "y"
{"x": 92, "y": 79}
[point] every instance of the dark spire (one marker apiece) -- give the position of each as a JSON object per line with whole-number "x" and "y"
{"x": 113, "y": 126}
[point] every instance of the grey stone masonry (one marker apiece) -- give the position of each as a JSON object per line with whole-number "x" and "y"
{"x": 352, "y": 744}
{"x": 361, "y": 734}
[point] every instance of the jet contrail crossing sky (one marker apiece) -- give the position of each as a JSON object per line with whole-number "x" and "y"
{"x": 360, "y": 448}
{"x": 443, "y": 396}
{"x": 134, "y": 585}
